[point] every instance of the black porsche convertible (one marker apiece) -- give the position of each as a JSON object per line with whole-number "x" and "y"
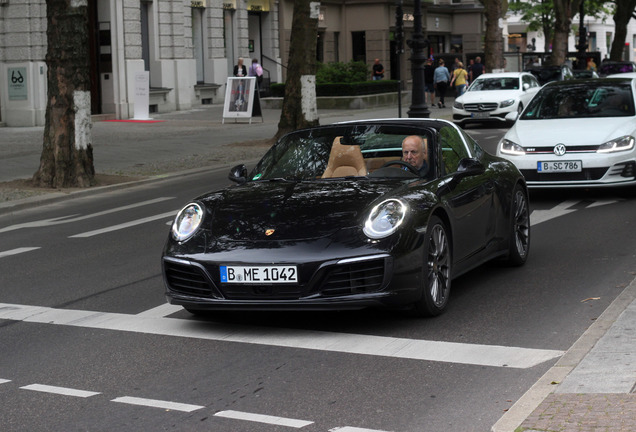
{"x": 332, "y": 218}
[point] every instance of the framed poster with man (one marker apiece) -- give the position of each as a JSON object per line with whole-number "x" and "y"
{"x": 239, "y": 97}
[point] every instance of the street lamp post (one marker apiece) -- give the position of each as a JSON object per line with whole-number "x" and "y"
{"x": 582, "y": 45}
{"x": 418, "y": 46}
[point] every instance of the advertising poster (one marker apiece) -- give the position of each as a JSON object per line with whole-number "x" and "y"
{"x": 239, "y": 98}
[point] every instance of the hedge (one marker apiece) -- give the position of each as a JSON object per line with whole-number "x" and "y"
{"x": 345, "y": 89}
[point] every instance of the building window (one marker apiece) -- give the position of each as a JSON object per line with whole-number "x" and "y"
{"x": 359, "y": 46}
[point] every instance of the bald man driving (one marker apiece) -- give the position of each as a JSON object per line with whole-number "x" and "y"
{"x": 414, "y": 151}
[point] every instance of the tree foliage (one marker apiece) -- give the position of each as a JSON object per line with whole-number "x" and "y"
{"x": 67, "y": 154}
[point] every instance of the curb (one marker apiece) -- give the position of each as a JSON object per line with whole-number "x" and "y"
{"x": 550, "y": 381}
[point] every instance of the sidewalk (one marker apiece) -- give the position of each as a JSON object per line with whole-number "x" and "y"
{"x": 591, "y": 388}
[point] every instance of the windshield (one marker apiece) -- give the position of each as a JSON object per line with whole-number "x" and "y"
{"x": 606, "y": 99}
{"x": 340, "y": 151}
{"x": 495, "y": 84}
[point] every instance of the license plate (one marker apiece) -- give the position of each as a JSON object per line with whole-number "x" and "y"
{"x": 259, "y": 274}
{"x": 480, "y": 115}
{"x": 560, "y": 166}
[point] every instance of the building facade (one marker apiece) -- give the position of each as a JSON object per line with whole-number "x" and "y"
{"x": 364, "y": 30}
{"x": 189, "y": 48}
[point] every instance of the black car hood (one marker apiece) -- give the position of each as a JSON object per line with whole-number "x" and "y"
{"x": 280, "y": 210}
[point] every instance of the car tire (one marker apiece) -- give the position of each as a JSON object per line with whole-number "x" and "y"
{"x": 436, "y": 272}
{"x": 520, "y": 108}
{"x": 519, "y": 241}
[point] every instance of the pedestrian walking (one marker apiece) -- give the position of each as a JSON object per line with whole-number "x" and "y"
{"x": 460, "y": 77}
{"x": 441, "y": 78}
{"x": 429, "y": 83}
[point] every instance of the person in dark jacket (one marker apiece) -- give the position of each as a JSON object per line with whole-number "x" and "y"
{"x": 240, "y": 70}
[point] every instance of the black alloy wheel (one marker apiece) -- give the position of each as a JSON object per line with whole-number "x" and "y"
{"x": 436, "y": 280}
{"x": 519, "y": 228}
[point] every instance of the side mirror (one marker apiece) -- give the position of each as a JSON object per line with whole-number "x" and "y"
{"x": 526, "y": 86}
{"x": 512, "y": 116}
{"x": 238, "y": 174}
{"x": 469, "y": 167}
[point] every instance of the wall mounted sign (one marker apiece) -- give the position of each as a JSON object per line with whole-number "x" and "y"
{"x": 17, "y": 78}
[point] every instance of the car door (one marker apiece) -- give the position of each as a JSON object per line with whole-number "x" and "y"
{"x": 467, "y": 198}
{"x": 533, "y": 87}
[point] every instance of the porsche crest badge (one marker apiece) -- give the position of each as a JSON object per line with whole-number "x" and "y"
{"x": 269, "y": 232}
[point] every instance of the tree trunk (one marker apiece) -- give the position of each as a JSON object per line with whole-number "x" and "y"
{"x": 493, "y": 49}
{"x": 564, "y": 10}
{"x": 622, "y": 16}
{"x": 67, "y": 154}
{"x": 299, "y": 104}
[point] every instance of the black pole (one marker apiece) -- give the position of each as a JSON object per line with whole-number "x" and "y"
{"x": 419, "y": 46}
{"x": 399, "y": 49}
{"x": 582, "y": 45}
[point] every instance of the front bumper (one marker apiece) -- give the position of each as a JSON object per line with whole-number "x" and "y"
{"x": 342, "y": 283}
{"x": 597, "y": 171}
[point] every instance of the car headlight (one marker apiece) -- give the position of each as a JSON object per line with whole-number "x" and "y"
{"x": 506, "y": 103}
{"x": 511, "y": 148}
{"x": 458, "y": 105}
{"x": 385, "y": 218}
{"x": 623, "y": 143}
{"x": 187, "y": 222}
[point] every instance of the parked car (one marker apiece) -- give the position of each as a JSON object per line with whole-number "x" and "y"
{"x": 546, "y": 74}
{"x": 584, "y": 73}
{"x": 614, "y": 67}
{"x": 493, "y": 95}
{"x": 577, "y": 133}
{"x": 331, "y": 218}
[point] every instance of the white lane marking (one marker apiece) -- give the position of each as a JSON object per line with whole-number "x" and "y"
{"x": 599, "y": 203}
{"x": 60, "y": 390}
{"x": 125, "y": 225}
{"x": 561, "y": 209}
{"x": 17, "y": 251}
{"x": 154, "y": 403}
{"x": 160, "y": 311}
{"x": 353, "y": 429}
{"x": 260, "y": 418}
{"x": 450, "y": 352}
{"x": 71, "y": 218}
{"x": 4, "y": 381}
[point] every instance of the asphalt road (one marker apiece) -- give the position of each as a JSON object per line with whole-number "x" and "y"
{"x": 89, "y": 344}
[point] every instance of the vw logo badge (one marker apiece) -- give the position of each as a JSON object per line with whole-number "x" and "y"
{"x": 559, "y": 149}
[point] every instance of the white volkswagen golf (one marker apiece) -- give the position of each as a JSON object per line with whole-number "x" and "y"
{"x": 577, "y": 133}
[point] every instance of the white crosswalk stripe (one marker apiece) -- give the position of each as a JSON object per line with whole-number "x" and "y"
{"x": 260, "y": 418}
{"x": 449, "y": 352}
{"x": 60, "y": 390}
{"x": 154, "y": 403}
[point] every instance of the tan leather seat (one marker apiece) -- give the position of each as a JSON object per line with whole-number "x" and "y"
{"x": 345, "y": 160}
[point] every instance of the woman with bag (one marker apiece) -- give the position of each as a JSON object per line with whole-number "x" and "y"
{"x": 459, "y": 79}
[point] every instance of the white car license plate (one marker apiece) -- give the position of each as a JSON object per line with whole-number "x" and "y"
{"x": 560, "y": 166}
{"x": 259, "y": 274}
{"x": 480, "y": 115}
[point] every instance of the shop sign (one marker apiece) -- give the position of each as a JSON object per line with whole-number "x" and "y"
{"x": 17, "y": 83}
{"x": 258, "y": 5}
